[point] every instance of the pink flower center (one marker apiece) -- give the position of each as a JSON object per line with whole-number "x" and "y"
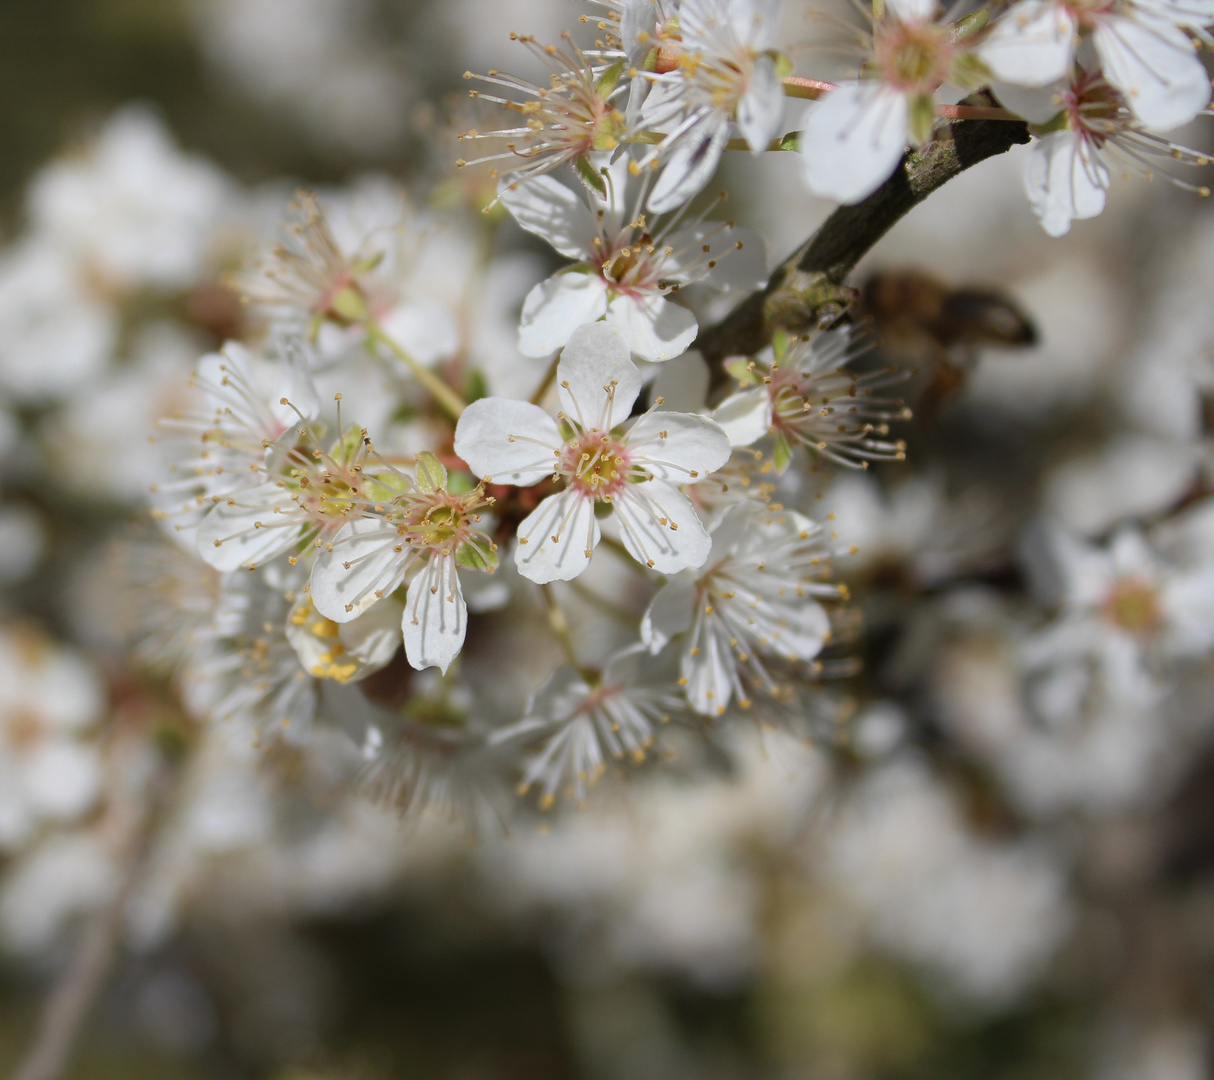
{"x": 596, "y": 465}
{"x": 913, "y": 57}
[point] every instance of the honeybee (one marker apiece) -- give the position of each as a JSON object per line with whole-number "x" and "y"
{"x": 929, "y": 322}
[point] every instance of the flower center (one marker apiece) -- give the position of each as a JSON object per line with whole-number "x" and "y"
{"x": 438, "y": 521}
{"x": 913, "y": 57}
{"x": 1133, "y": 605}
{"x": 596, "y": 465}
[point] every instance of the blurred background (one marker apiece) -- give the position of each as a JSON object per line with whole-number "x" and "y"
{"x": 936, "y": 887}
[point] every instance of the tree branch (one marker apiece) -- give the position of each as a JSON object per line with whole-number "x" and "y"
{"x": 808, "y": 287}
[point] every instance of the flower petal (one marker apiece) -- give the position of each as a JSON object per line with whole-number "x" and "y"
{"x": 1065, "y": 181}
{"x": 556, "y": 540}
{"x": 248, "y": 529}
{"x": 654, "y": 328}
{"x": 659, "y": 527}
{"x": 1153, "y": 63}
{"x": 436, "y": 618}
{"x": 678, "y": 447}
{"x": 507, "y": 441}
{"x": 853, "y": 140}
{"x": 745, "y": 417}
{"x": 596, "y": 378}
{"x": 1031, "y": 44}
{"x": 552, "y": 212}
{"x": 761, "y": 108}
{"x": 669, "y": 613}
{"x": 558, "y": 306}
{"x": 691, "y": 164}
{"x": 365, "y": 562}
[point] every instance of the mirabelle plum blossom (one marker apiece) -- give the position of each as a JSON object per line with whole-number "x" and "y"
{"x": 635, "y": 471}
{"x": 427, "y": 527}
{"x": 1126, "y": 617}
{"x": 49, "y": 699}
{"x": 1141, "y": 47}
{"x": 589, "y": 720}
{"x": 625, "y": 267}
{"x": 1085, "y": 129}
{"x": 756, "y": 596}
{"x": 716, "y": 66}
{"x": 853, "y": 138}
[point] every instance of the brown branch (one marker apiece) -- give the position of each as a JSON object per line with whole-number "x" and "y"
{"x": 809, "y": 287}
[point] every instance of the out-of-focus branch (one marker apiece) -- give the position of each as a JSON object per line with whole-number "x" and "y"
{"x": 130, "y": 817}
{"x": 809, "y": 286}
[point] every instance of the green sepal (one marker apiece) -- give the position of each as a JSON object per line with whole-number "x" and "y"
{"x": 971, "y": 24}
{"x": 922, "y": 118}
{"x": 780, "y": 341}
{"x": 460, "y": 483}
{"x": 609, "y": 80}
{"x": 784, "y": 65}
{"x": 969, "y": 72}
{"x": 739, "y": 367}
{"x": 1059, "y": 123}
{"x": 377, "y": 489}
{"x": 431, "y": 474}
{"x": 475, "y": 386}
{"x": 349, "y": 304}
{"x": 788, "y": 141}
{"x": 782, "y": 455}
{"x": 366, "y": 265}
{"x": 470, "y": 556}
{"x": 591, "y": 177}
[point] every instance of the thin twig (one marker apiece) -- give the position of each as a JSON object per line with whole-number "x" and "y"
{"x": 809, "y": 286}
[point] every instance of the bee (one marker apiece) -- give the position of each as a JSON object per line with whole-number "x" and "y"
{"x": 924, "y": 319}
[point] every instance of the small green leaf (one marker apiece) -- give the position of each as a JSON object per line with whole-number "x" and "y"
{"x": 784, "y": 66}
{"x": 780, "y": 342}
{"x": 431, "y": 475}
{"x": 969, "y": 72}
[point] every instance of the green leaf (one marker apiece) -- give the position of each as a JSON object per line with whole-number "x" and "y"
{"x": 431, "y": 474}
{"x": 610, "y": 79}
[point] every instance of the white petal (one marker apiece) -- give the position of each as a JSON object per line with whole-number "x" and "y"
{"x": 745, "y": 417}
{"x": 596, "y": 358}
{"x": 1153, "y": 63}
{"x": 659, "y": 527}
{"x": 679, "y": 447}
{"x": 913, "y": 10}
{"x": 426, "y": 331}
{"x": 1036, "y": 104}
{"x": 761, "y": 108}
{"x": 669, "y": 613}
{"x": 248, "y": 531}
{"x": 1031, "y": 44}
{"x": 691, "y": 164}
{"x": 556, "y": 540}
{"x": 853, "y": 139}
{"x": 362, "y": 567}
{"x": 558, "y": 306}
{"x": 552, "y": 212}
{"x": 435, "y": 616}
{"x": 507, "y": 441}
{"x": 708, "y": 685}
{"x": 62, "y": 780}
{"x": 654, "y": 328}
{"x": 373, "y": 638}
{"x": 1065, "y": 181}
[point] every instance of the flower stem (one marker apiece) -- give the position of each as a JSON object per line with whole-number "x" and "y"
{"x": 451, "y": 402}
{"x": 546, "y": 384}
{"x": 558, "y": 623}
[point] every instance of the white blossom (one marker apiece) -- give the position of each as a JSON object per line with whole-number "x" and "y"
{"x": 634, "y": 472}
